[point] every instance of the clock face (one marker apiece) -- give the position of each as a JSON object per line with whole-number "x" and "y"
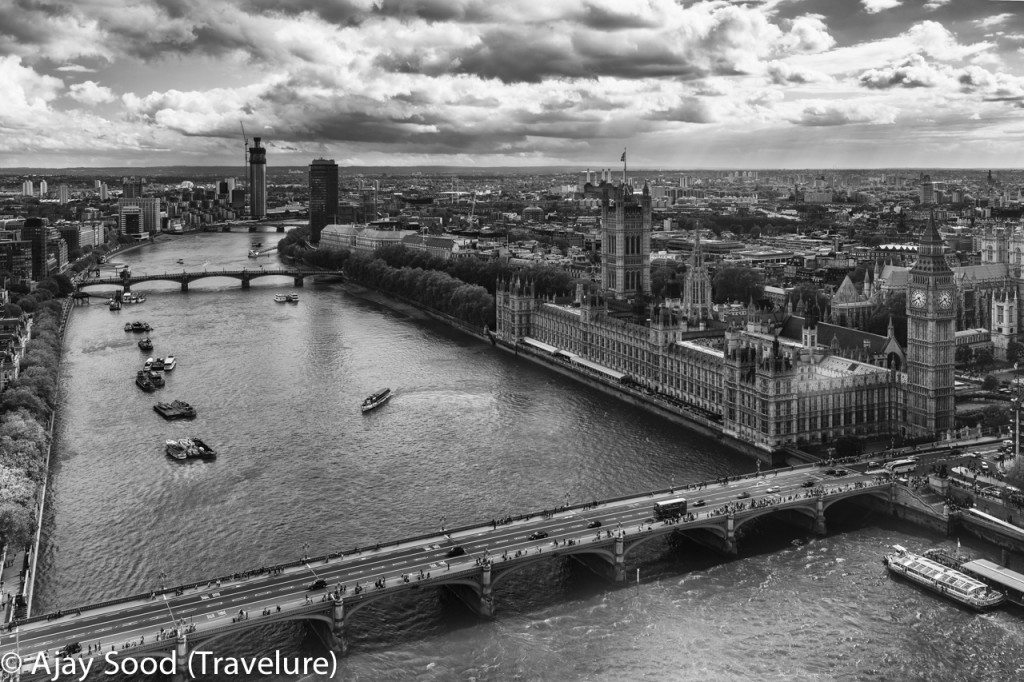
{"x": 917, "y": 298}
{"x": 945, "y": 300}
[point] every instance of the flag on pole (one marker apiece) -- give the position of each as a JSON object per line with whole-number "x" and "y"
{"x": 623, "y": 159}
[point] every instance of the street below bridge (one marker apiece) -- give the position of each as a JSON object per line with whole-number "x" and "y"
{"x": 214, "y": 605}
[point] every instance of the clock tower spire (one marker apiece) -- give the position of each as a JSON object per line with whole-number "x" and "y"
{"x": 931, "y": 341}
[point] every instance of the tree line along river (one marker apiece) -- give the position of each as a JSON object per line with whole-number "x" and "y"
{"x": 471, "y": 434}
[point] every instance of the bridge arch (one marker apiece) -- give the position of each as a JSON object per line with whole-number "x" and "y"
{"x": 879, "y": 493}
{"x": 196, "y": 640}
{"x": 810, "y": 512}
{"x": 353, "y": 607}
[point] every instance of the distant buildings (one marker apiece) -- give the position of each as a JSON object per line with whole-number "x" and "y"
{"x": 62, "y": 193}
{"x": 323, "y": 196}
{"x": 132, "y": 188}
{"x": 28, "y": 189}
{"x": 257, "y": 180}
{"x": 44, "y": 189}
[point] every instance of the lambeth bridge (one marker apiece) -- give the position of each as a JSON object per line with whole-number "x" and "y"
{"x": 245, "y": 275}
{"x": 471, "y": 562}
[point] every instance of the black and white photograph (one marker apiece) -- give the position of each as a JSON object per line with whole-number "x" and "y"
{"x": 570, "y": 341}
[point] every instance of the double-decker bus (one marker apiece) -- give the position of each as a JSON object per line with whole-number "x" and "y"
{"x": 670, "y": 508}
{"x": 901, "y": 466}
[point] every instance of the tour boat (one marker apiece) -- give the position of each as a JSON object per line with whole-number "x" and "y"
{"x": 143, "y": 382}
{"x": 281, "y": 298}
{"x": 169, "y": 363}
{"x": 253, "y": 253}
{"x": 293, "y": 298}
{"x": 947, "y": 581}
{"x": 176, "y": 409}
{"x": 189, "y": 448}
{"x": 141, "y": 327}
{"x": 181, "y": 261}
{"x": 148, "y": 365}
{"x": 127, "y": 326}
{"x": 155, "y": 379}
{"x": 114, "y": 304}
{"x": 377, "y": 399}
{"x": 158, "y": 365}
{"x": 146, "y": 344}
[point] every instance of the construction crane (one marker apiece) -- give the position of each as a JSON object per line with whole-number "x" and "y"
{"x": 472, "y": 208}
{"x": 245, "y": 152}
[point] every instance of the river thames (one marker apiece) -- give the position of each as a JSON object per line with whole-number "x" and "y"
{"x": 471, "y": 434}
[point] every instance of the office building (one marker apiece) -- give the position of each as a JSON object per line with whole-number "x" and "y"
{"x": 150, "y": 209}
{"x": 323, "y": 196}
{"x": 130, "y": 222}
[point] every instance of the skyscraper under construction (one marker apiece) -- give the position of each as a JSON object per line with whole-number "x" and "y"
{"x": 257, "y": 180}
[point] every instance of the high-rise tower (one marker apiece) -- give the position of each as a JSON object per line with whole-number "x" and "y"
{"x": 257, "y": 179}
{"x": 931, "y": 342}
{"x": 323, "y": 196}
{"x": 625, "y": 241}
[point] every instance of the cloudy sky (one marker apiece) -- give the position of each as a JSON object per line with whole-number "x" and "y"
{"x": 683, "y": 84}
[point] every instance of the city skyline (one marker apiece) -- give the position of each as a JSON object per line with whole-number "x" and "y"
{"x": 712, "y": 84}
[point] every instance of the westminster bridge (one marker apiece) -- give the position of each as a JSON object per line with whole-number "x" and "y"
{"x": 245, "y": 275}
{"x": 472, "y": 562}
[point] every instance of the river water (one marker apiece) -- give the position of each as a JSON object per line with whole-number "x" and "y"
{"x": 471, "y": 434}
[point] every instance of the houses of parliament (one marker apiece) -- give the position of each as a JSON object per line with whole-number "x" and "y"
{"x": 771, "y": 380}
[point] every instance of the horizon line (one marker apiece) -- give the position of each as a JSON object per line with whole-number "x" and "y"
{"x": 581, "y": 167}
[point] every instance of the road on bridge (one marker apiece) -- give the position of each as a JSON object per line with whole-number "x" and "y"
{"x": 212, "y": 605}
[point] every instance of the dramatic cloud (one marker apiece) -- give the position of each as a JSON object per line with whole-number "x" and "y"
{"x": 835, "y": 114}
{"x": 518, "y": 81}
{"x": 90, "y": 92}
{"x": 876, "y": 6}
{"x": 914, "y": 72}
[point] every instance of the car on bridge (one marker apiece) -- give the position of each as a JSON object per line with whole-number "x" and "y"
{"x": 317, "y": 584}
{"x": 773, "y": 490}
{"x": 457, "y": 550}
{"x": 743, "y": 495}
{"x": 700, "y": 503}
{"x": 69, "y": 649}
{"x": 538, "y": 535}
{"x": 809, "y": 483}
{"x": 594, "y": 524}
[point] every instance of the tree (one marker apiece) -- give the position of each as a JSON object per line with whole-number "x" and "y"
{"x": 1014, "y": 351}
{"x": 849, "y": 446}
{"x": 963, "y": 355}
{"x": 983, "y": 357}
{"x": 737, "y": 283}
{"x": 809, "y": 294}
{"x": 990, "y": 383}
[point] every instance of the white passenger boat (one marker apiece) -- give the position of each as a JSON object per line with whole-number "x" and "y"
{"x": 949, "y": 582}
{"x": 377, "y": 399}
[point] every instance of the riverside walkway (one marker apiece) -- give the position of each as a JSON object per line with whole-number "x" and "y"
{"x": 471, "y": 561}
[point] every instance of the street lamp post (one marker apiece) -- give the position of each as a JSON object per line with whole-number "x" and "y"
{"x": 305, "y": 551}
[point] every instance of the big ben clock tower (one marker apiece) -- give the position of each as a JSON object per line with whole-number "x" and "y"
{"x": 931, "y": 341}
